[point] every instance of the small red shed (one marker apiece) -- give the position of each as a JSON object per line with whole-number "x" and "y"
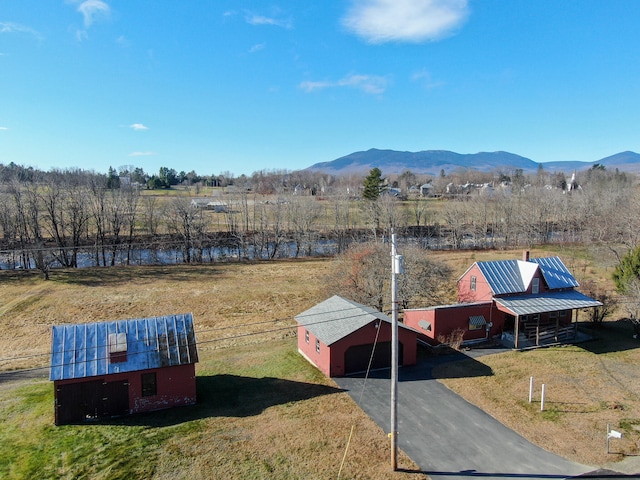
{"x": 107, "y": 369}
{"x": 338, "y": 337}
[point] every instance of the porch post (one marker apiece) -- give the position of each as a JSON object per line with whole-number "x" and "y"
{"x": 516, "y": 332}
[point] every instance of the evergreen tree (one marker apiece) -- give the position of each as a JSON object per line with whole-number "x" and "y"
{"x": 627, "y": 271}
{"x": 374, "y": 184}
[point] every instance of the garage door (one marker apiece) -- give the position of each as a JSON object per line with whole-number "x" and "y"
{"x": 356, "y": 358}
{"x": 86, "y": 401}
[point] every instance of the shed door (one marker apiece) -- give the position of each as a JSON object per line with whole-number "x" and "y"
{"x": 87, "y": 401}
{"x": 356, "y": 358}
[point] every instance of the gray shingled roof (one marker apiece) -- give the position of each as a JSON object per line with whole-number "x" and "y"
{"x": 547, "y": 302}
{"x": 337, "y": 317}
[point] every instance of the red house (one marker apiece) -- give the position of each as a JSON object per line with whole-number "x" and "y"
{"x": 528, "y": 302}
{"x": 338, "y": 337}
{"x": 107, "y": 369}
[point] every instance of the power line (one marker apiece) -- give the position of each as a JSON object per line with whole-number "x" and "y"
{"x": 197, "y": 343}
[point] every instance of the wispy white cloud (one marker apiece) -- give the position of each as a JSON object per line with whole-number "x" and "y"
{"x": 257, "y": 47}
{"x": 141, "y": 154}
{"x": 92, "y": 9}
{"x": 4, "y": 128}
{"x": 10, "y": 27}
{"x": 371, "y": 84}
{"x": 424, "y": 77}
{"x": 380, "y": 21}
{"x": 138, "y": 126}
{"x": 276, "y": 20}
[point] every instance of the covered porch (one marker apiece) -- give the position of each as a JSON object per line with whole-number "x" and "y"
{"x": 542, "y": 319}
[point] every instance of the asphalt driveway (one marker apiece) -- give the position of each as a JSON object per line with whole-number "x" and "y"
{"x": 448, "y": 437}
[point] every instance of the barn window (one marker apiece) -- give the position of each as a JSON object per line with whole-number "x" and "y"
{"x": 117, "y": 347}
{"x": 149, "y": 385}
{"x": 317, "y": 345}
{"x": 535, "y": 285}
{"x": 473, "y": 283}
{"x": 306, "y": 336}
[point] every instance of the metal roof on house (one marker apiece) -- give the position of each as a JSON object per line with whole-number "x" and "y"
{"x": 555, "y": 273}
{"x": 503, "y": 276}
{"x": 337, "y": 317}
{"x": 514, "y": 276}
{"x": 93, "y": 349}
{"x": 546, "y": 302}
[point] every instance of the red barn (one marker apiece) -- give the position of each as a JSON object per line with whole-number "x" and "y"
{"x": 529, "y": 302}
{"x": 107, "y": 369}
{"x": 338, "y": 336}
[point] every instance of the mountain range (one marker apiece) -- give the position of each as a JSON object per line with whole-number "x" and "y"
{"x": 433, "y": 162}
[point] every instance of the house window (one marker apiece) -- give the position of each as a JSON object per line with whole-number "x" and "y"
{"x": 477, "y": 322}
{"x": 473, "y": 283}
{"x": 425, "y": 325}
{"x": 149, "y": 385}
{"x": 317, "y": 345}
{"x": 306, "y": 336}
{"x": 535, "y": 285}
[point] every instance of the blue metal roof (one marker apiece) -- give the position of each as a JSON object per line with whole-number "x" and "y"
{"x": 503, "y": 276}
{"x": 514, "y": 276}
{"x": 555, "y": 273}
{"x": 92, "y": 349}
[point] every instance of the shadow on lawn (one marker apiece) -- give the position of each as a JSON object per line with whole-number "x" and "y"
{"x": 609, "y": 337}
{"x": 231, "y": 396}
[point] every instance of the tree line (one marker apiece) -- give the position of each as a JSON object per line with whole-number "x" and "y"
{"x": 50, "y": 218}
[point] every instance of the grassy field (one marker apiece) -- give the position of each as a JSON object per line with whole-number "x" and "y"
{"x": 263, "y": 411}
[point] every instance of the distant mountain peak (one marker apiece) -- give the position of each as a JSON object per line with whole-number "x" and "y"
{"x": 432, "y": 162}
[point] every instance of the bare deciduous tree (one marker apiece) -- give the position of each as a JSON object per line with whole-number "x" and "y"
{"x": 363, "y": 274}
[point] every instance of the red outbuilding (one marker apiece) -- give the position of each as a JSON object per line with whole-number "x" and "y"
{"x": 338, "y": 337}
{"x": 107, "y": 369}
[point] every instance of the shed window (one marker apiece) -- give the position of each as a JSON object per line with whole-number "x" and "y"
{"x": 117, "y": 347}
{"x": 317, "y": 345}
{"x": 473, "y": 283}
{"x": 149, "y": 385}
{"x": 306, "y": 336}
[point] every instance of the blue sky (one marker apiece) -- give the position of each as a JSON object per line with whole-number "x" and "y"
{"x": 240, "y": 86}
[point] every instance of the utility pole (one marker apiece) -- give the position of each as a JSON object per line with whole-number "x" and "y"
{"x": 396, "y": 268}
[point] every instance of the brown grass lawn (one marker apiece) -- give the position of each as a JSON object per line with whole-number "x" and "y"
{"x": 588, "y": 386}
{"x": 283, "y": 432}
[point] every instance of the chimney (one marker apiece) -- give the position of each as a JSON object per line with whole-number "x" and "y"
{"x": 525, "y": 255}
